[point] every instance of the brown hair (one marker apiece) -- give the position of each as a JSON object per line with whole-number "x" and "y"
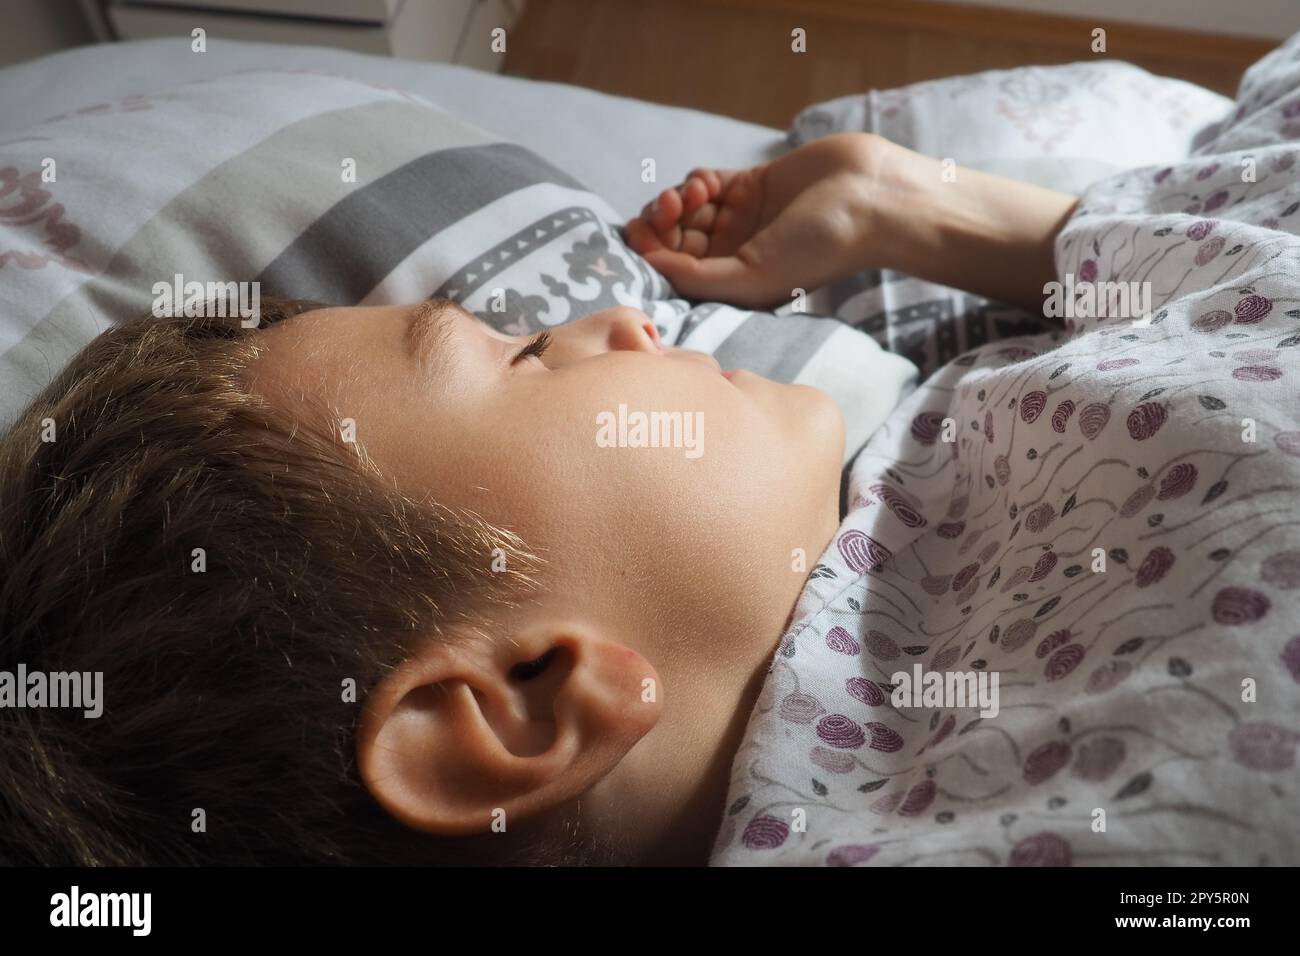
{"x": 223, "y": 689}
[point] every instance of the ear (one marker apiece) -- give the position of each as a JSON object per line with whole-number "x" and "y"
{"x": 468, "y": 729}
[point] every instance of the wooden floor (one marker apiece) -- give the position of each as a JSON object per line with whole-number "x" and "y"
{"x": 734, "y": 56}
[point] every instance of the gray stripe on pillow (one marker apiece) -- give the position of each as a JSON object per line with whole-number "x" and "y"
{"x": 228, "y": 223}
{"x": 395, "y": 215}
{"x": 775, "y": 346}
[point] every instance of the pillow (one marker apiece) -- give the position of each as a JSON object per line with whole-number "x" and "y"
{"x": 1063, "y": 127}
{"x": 349, "y": 193}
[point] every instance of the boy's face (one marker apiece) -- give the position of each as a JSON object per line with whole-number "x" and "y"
{"x": 446, "y": 405}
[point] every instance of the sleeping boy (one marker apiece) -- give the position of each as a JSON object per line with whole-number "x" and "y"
{"x": 365, "y": 588}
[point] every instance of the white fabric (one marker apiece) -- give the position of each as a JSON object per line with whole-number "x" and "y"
{"x": 1106, "y": 518}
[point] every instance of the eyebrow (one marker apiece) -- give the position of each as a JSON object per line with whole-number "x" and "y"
{"x": 429, "y": 330}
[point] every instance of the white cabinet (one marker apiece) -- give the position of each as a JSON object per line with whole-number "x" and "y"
{"x": 446, "y": 31}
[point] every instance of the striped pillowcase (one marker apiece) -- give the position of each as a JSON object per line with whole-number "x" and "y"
{"x": 194, "y": 182}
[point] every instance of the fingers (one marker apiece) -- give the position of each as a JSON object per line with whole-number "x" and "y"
{"x": 682, "y": 218}
{"x": 673, "y": 223}
{"x": 641, "y": 236}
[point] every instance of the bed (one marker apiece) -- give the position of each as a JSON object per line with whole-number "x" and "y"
{"x": 480, "y": 188}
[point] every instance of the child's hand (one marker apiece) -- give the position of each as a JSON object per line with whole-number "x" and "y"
{"x": 753, "y": 236}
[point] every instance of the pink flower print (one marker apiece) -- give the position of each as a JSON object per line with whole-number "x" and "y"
{"x": 1145, "y": 420}
{"x": 918, "y": 799}
{"x": 1019, "y": 634}
{"x": 801, "y": 708}
{"x": 1108, "y": 676}
{"x": 884, "y": 738}
{"x": 1064, "y": 661}
{"x": 1215, "y": 201}
{"x": 861, "y": 552}
{"x": 842, "y": 642}
{"x": 1288, "y": 442}
{"x": 1180, "y": 480}
{"x": 1038, "y": 519}
{"x": 898, "y": 504}
{"x": 926, "y": 427}
{"x": 1051, "y": 642}
{"x": 1209, "y": 249}
{"x": 1252, "y": 309}
{"x": 1263, "y": 746}
{"x": 852, "y": 854}
{"x": 1041, "y": 849}
{"x": 1032, "y": 405}
{"x": 1046, "y": 761}
{"x": 964, "y": 576}
{"x": 1002, "y": 469}
{"x": 1282, "y": 570}
{"x": 1235, "y": 606}
{"x": 1099, "y": 758}
{"x": 1291, "y": 658}
{"x": 881, "y": 646}
{"x": 839, "y": 731}
{"x": 765, "y": 833}
{"x": 1154, "y": 567}
{"x": 1257, "y": 373}
{"x": 887, "y": 804}
{"x": 1212, "y": 321}
{"x": 1043, "y": 567}
{"x": 833, "y": 761}
{"x": 1093, "y": 419}
{"x": 1111, "y": 365}
{"x": 938, "y": 584}
{"x": 866, "y": 691}
{"x": 1061, "y": 416}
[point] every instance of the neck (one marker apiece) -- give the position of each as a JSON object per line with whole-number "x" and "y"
{"x": 664, "y": 803}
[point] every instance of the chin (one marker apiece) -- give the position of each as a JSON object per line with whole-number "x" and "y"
{"x": 823, "y": 423}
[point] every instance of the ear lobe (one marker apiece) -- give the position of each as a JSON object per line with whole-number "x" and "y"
{"x": 465, "y": 732}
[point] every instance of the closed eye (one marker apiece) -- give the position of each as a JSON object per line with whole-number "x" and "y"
{"x": 536, "y": 347}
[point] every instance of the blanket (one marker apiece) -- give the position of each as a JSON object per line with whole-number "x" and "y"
{"x": 1060, "y": 623}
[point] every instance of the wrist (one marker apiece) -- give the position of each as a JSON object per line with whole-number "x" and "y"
{"x": 963, "y": 228}
{"x": 899, "y": 206}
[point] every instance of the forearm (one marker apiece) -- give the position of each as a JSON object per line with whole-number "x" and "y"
{"x": 986, "y": 234}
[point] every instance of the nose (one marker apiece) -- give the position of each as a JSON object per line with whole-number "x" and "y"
{"x": 620, "y": 329}
{"x": 629, "y": 330}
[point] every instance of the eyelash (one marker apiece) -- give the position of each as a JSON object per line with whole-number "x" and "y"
{"x": 537, "y": 347}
